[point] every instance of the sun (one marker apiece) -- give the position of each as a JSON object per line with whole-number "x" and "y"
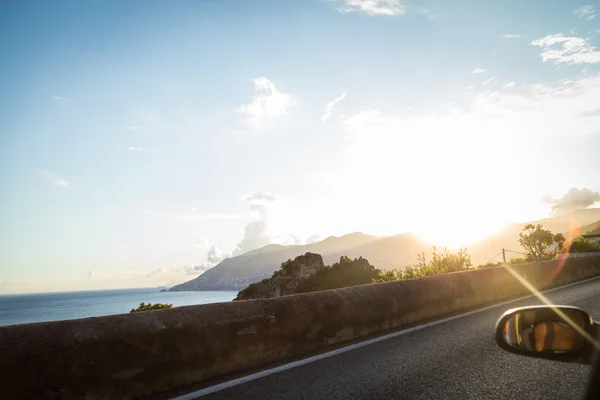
{"x": 458, "y": 230}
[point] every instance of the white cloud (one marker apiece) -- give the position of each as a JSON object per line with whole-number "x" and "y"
{"x": 374, "y": 7}
{"x": 277, "y": 220}
{"x": 135, "y": 127}
{"x": 509, "y": 85}
{"x": 567, "y": 49}
{"x": 551, "y": 109}
{"x": 173, "y": 275}
{"x": 329, "y": 106}
{"x": 574, "y": 199}
{"x": 257, "y": 232}
{"x": 60, "y": 99}
{"x": 469, "y": 87}
{"x": 58, "y": 181}
{"x": 490, "y": 80}
{"x": 214, "y": 255}
{"x": 587, "y": 12}
{"x": 511, "y": 36}
{"x": 267, "y": 103}
{"x": 269, "y": 223}
{"x": 134, "y": 148}
{"x": 427, "y": 13}
{"x": 479, "y": 70}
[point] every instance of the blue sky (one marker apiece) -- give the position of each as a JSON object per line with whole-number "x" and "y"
{"x": 140, "y": 139}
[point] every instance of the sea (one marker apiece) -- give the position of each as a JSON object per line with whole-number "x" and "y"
{"x": 41, "y": 307}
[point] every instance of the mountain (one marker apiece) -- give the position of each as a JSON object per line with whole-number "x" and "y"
{"x": 590, "y": 229}
{"x": 240, "y": 271}
{"x": 385, "y": 252}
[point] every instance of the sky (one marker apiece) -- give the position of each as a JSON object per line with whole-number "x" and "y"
{"x": 142, "y": 141}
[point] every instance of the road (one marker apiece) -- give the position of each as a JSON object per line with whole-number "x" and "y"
{"x": 457, "y": 359}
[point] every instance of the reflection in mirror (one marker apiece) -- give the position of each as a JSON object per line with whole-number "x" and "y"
{"x": 542, "y": 330}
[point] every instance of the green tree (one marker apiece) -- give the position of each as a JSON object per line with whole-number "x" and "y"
{"x": 344, "y": 273}
{"x": 388, "y": 276}
{"x": 534, "y": 239}
{"x": 150, "y": 306}
{"x": 284, "y": 270}
{"x": 560, "y": 240}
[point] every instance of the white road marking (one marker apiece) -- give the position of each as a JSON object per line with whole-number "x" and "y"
{"x": 294, "y": 364}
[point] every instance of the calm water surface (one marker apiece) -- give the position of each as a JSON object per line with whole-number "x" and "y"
{"x": 26, "y": 308}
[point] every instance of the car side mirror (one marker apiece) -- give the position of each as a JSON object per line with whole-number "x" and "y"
{"x": 561, "y": 333}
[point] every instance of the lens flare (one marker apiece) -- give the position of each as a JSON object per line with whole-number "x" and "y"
{"x": 546, "y": 301}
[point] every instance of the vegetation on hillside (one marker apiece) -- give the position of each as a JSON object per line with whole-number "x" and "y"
{"x": 284, "y": 270}
{"x": 351, "y": 272}
{"x": 344, "y": 273}
{"x": 440, "y": 263}
{"x": 582, "y": 245}
{"x": 347, "y": 272}
{"x": 289, "y": 267}
{"x": 307, "y": 273}
{"x": 150, "y": 306}
{"x": 535, "y": 240}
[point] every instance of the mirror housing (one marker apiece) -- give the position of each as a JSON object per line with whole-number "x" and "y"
{"x": 560, "y": 333}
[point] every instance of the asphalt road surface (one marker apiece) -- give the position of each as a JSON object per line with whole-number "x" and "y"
{"x": 457, "y": 359}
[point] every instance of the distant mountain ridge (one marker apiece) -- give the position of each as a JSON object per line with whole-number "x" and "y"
{"x": 384, "y": 252}
{"x": 590, "y": 229}
{"x": 238, "y": 272}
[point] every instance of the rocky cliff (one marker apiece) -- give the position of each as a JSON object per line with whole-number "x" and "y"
{"x": 286, "y": 280}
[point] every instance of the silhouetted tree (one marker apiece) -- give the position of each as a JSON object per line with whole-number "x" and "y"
{"x": 534, "y": 239}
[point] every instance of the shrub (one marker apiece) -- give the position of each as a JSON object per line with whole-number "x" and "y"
{"x": 440, "y": 263}
{"x": 388, "y": 276}
{"x": 519, "y": 260}
{"x": 490, "y": 265}
{"x": 582, "y": 245}
{"x": 150, "y": 306}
